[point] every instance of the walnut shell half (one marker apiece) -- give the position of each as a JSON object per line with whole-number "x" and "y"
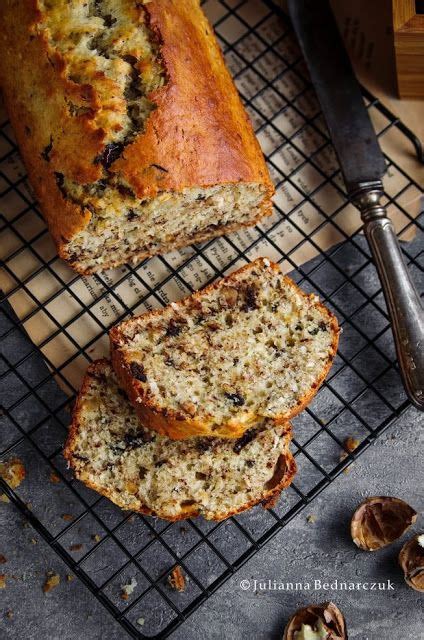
{"x": 411, "y": 559}
{"x": 379, "y": 521}
{"x": 317, "y": 621}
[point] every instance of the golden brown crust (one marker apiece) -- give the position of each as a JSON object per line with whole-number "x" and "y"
{"x": 267, "y": 497}
{"x": 216, "y": 143}
{"x": 177, "y": 426}
{"x": 199, "y": 123}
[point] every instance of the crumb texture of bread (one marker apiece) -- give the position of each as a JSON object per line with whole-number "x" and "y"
{"x": 130, "y": 126}
{"x": 251, "y": 346}
{"x": 140, "y": 470}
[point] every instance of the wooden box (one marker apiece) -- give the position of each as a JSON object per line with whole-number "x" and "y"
{"x": 408, "y": 26}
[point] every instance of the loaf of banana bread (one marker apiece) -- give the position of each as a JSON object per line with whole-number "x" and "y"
{"x": 130, "y": 126}
{"x": 250, "y": 346}
{"x": 140, "y": 470}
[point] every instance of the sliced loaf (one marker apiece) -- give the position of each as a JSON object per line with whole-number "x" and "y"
{"x": 132, "y": 131}
{"x": 140, "y": 470}
{"x": 249, "y": 347}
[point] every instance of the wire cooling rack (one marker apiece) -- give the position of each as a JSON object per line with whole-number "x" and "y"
{"x": 105, "y": 547}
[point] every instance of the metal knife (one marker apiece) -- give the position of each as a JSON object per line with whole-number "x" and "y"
{"x": 363, "y": 166}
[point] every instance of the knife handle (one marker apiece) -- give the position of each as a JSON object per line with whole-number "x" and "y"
{"x": 402, "y": 299}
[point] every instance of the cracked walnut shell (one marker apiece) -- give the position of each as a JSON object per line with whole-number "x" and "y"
{"x": 379, "y": 521}
{"x": 411, "y": 559}
{"x": 317, "y": 622}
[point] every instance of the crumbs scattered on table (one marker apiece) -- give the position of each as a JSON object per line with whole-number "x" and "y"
{"x": 176, "y": 579}
{"x": 96, "y": 537}
{"x": 13, "y": 472}
{"x": 311, "y": 518}
{"x": 2, "y": 581}
{"x": 54, "y": 477}
{"x": 68, "y": 517}
{"x": 127, "y": 589}
{"x": 52, "y": 581}
{"x": 140, "y": 621}
{"x": 76, "y": 547}
{"x": 350, "y": 444}
{"x": 9, "y": 614}
{"x": 70, "y": 577}
{"x": 3, "y": 559}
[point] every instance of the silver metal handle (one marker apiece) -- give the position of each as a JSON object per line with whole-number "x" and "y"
{"x": 402, "y": 299}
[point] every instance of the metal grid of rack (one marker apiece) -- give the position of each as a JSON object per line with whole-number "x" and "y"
{"x": 104, "y": 546}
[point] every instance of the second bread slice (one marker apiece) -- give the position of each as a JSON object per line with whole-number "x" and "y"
{"x": 250, "y": 346}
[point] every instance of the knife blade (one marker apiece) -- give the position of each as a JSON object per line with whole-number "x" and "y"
{"x": 363, "y": 166}
{"x": 338, "y": 91}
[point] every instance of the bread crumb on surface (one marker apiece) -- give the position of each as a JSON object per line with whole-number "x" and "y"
{"x": 9, "y": 614}
{"x": 76, "y": 547}
{"x": 2, "y": 581}
{"x": 13, "y": 472}
{"x": 52, "y": 581}
{"x": 96, "y": 537}
{"x": 68, "y": 517}
{"x": 176, "y": 579}
{"x": 140, "y": 622}
{"x": 3, "y": 559}
{"x": 70, "y": 577}
{"x": 311, "y": 518}
{"x": 128, "y": 589}
{"x": 54, "y": 477}
{"x": 351, "y": 443}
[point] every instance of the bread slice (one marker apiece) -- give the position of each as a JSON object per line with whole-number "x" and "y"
{"x": 140, "y": 470}
{"x": 251, "y": 346}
